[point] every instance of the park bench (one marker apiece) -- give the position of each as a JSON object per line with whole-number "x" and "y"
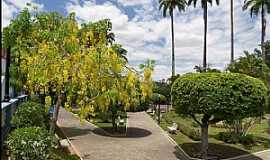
{"x": 173, "y": 128}
{"x": 120, "y": 121}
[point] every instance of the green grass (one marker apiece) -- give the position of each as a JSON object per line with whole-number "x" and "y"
{"x": 106, "y": 125}
{"x": 63, "y": 154}
{"x": 216, "y": 147}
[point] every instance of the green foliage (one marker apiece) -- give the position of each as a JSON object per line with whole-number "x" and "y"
{"x": 255, "y": 6}
{"x": 252, "y": 65}
{"x": 163, "y": 89}
{"x": 191, "y": 132}
{"x": 121, "y": 52}
{"x": 142, "y": 106}
{"x": 219, "y": 96}
{"x": 30, "y": 143}
{"x": 170, "y": 5}
{"x": 29, "y": 114}
{"x": 200, "y": 69}
{"x": 258, "y": 52}
{"x": 233, "y": 138}
{"x": 158, "y": 98}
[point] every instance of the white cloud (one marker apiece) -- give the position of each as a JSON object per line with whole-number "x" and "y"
{"x": 147, "y": 34}
{"x": 20, "y": 4}
{"x": 92, "y": 12}
{"x": 140, "y": 27}
{"x": 133, "y": 2}
{"x": 8, "y": 10}
{"x": 11, "y": 7}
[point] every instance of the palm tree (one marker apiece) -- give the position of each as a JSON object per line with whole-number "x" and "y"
{"x": 170, "y": 5}
{"x": 255, "y": 6}
{"x": 232, "y": 32}
{"x": 205, "y": 8}
{"x": 120, "y": 51}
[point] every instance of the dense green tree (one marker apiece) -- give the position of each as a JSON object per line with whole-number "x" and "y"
{"x": 170, "y": 6}
{"x": 255, "y": 6}
{"x": 252, "y": 65}
{"x": 163, "y": 88}
{"x": 212, "y": 97}
{"x": 204, "y": 4}
{"x": 267, "y": 52}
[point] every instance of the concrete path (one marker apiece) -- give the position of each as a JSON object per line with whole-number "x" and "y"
{"x": 144, "y": 140}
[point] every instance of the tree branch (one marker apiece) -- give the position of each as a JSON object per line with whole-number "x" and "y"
{"x": 214, "y": 120}
{"x": 195, "y": 119}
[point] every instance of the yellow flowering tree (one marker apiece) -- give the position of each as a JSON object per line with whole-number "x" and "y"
{"x": 79, "y": 66}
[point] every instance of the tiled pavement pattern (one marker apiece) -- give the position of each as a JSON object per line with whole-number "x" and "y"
{"x": 144, "y": 140}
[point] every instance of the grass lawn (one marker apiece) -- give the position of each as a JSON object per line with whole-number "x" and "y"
{"x": 107, "y": 126}
{"x": 63, "y": 154}
{"x": 216, "y": 147}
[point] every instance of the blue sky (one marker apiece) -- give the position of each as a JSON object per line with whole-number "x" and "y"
{"x": 140, "y": 27}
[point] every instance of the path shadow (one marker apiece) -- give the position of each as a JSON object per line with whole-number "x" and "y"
{"x": 72, "y": 131}
{"x": 132, "y": 132}
{"x": 217, "y": 151}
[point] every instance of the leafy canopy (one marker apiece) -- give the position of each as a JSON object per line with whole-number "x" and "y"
{"x": 81, "y": 62}
{"x": 170, "y": 5}
{"x": 220, "y": 96}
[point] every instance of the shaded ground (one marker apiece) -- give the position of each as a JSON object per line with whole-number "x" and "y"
{"x": 144, "y": 140}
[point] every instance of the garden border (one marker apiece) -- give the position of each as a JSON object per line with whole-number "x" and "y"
{"x": 72, "y": 146}
{"x": 246, "y": 155}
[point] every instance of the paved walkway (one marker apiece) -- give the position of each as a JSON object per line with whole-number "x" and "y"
{"x": 144, "y": 140}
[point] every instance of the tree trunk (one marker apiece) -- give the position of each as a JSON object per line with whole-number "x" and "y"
{"x": 173, "y": 59}
{"x": 205, "y": 36}
{"x": 56, "y": 113}
{"x": 114, "y": 121}
{"x": 263, "y": 33}
{"x": 204, "y": 139}
{"x": 232, "y": 32}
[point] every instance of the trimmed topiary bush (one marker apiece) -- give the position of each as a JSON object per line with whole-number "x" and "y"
{"x": 29, "y": 114}
{"x": 30, "y": 143}
{"x": 209, "y": 98}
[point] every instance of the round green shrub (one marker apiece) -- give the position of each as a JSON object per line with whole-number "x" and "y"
{"x": 30, "y": 143}
{"x": 29, "y": 114}
{"x": 219, "y": 95}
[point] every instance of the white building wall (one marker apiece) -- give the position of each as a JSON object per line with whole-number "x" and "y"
{"x": 3, "y": 71}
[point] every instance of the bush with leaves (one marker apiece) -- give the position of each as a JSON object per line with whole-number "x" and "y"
{"x": 191, "y": 132}
{"x": 29, "y": 114}
{"x": 234, "y": 138}
{"x": 30, "y": 143}
{"x": 209, "y": 98}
